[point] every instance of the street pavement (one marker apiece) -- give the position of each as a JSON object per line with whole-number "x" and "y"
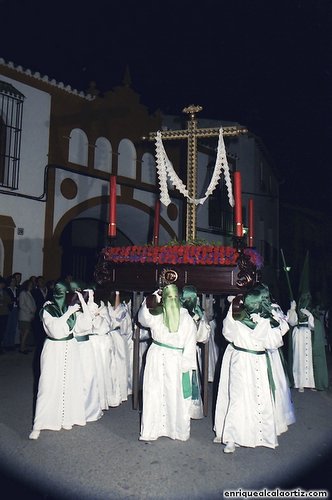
{"x": 104, "y": 460}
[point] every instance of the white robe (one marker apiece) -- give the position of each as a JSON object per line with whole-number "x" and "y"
{"x": 202, "y": 335}
{"x": 144, "y": 342}
{"x": 126, "y": 329}
{"x": 119, "y": 364}
{"x": 165, "y": 410}
{"x": 213, "y": 351}
{"x": 207, "y": 305}
{"x": 284, "y": 409}
{"x": 82, "y": 328}
{"x": 245, "y": 411}
{"x": 60, "y": 398}
{"x": 303, "y": 371}
{"x": 102, "y": 346}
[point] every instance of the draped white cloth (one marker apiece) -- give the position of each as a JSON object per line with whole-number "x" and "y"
{"x": 165, "y": 169}
{"x": 60, "y": 398}
{"x": 165, "y": 410}
{"x": 245, "y": 410}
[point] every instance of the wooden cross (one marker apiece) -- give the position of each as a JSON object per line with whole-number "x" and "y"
{"x": 192, "y": 133}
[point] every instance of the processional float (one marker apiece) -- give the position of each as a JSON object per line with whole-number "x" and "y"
{"x": 211, "y": 269}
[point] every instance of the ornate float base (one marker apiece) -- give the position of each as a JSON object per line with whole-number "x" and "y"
{"x": 218, "y": 280}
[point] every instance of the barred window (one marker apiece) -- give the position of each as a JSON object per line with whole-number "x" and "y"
{"x": 11, "y": 112}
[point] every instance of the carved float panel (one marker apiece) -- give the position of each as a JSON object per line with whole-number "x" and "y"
{"x": 220, "y": 280}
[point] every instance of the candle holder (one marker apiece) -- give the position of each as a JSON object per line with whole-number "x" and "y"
{"x": 239, "y": 242}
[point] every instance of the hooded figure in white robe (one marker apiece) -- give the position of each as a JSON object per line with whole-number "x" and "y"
{"x": 170, "y": 360}
{"x": 190, "y": 301}
{"x": 60, "y": 399}
{"x": 82, "y": 330}
{"x": 245, "y": 409}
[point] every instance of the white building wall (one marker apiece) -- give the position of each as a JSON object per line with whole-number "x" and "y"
{"x": 29, "y": 214}
{"x": 87, "y": 188}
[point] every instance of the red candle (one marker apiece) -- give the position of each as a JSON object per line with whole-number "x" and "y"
{"x": 251, "y": 223}
{"x": 156, "y": 222}
{"x": 112, "y": 215}
{"x": 238, "y": 204}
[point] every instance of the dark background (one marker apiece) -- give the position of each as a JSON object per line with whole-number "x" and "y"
{"x": 265, "y": 64}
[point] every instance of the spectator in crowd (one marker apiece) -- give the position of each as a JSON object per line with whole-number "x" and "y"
{"x": 5, "y": 302}
{"x": 26, "y": 313}
{"x": 12, "y": 323}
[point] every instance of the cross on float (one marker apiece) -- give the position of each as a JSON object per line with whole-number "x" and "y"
{"x": 192, "y": 133}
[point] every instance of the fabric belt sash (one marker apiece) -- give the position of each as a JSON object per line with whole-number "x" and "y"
{"x": 268, "y": 363}
{"x": 161, "y": 344}
{"x": 186, "y": 385}
{"x": 70, "y": 336}
{"x": 82, "y": 338}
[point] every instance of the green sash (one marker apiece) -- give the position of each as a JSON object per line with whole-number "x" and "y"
{"x": 167, "y": 345}
{"x": 69, "y": 337}
{"x": 82, "y": 338}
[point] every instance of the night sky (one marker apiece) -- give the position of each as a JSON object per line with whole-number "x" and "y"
{"x": 266, "y": 64}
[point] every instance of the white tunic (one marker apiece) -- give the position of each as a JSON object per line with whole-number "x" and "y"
{"x": 102, "y": 346}
{"x": 82, "y": 329}
{"x": 245, "y": 412}
{"x": 213, "y": 351}
{"x": 126, "y": 329}
{"x": 202, "y": 335}
{"x": 119, "y": 364}
{"x": 284, "y": 409}
{"x": 165, "y": 410}
{"x": 303, "y": 371}
{"x": 60, "y": 399}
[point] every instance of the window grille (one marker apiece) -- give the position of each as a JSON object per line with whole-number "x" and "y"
{"x": 11, "y": 111}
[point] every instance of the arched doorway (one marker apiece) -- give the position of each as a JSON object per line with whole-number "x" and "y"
{"x": 81, "y": 241}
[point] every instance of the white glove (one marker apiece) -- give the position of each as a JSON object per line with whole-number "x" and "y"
{"x": 293, "y": 305}
{"x": 72, "y": 309}
{"x": 305, "y": 311}
{"x": 255, "y": 317}
{"x": 230, "y": 298}
{"x": 158, "y": 296}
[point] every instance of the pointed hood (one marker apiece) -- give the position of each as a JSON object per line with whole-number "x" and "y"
{"x": 58, "y": 306}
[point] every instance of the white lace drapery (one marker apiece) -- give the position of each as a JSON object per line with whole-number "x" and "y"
{"x": 165, "y": 169}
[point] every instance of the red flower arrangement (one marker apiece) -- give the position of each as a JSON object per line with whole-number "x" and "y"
{"x": 205, "y": 255}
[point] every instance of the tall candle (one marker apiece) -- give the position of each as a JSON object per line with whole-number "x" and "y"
{"x": 156, "y": 222}
{"x": 251, "y": 223}
{"x": 238, "y": 204}
{"x": 112, "y": 214}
